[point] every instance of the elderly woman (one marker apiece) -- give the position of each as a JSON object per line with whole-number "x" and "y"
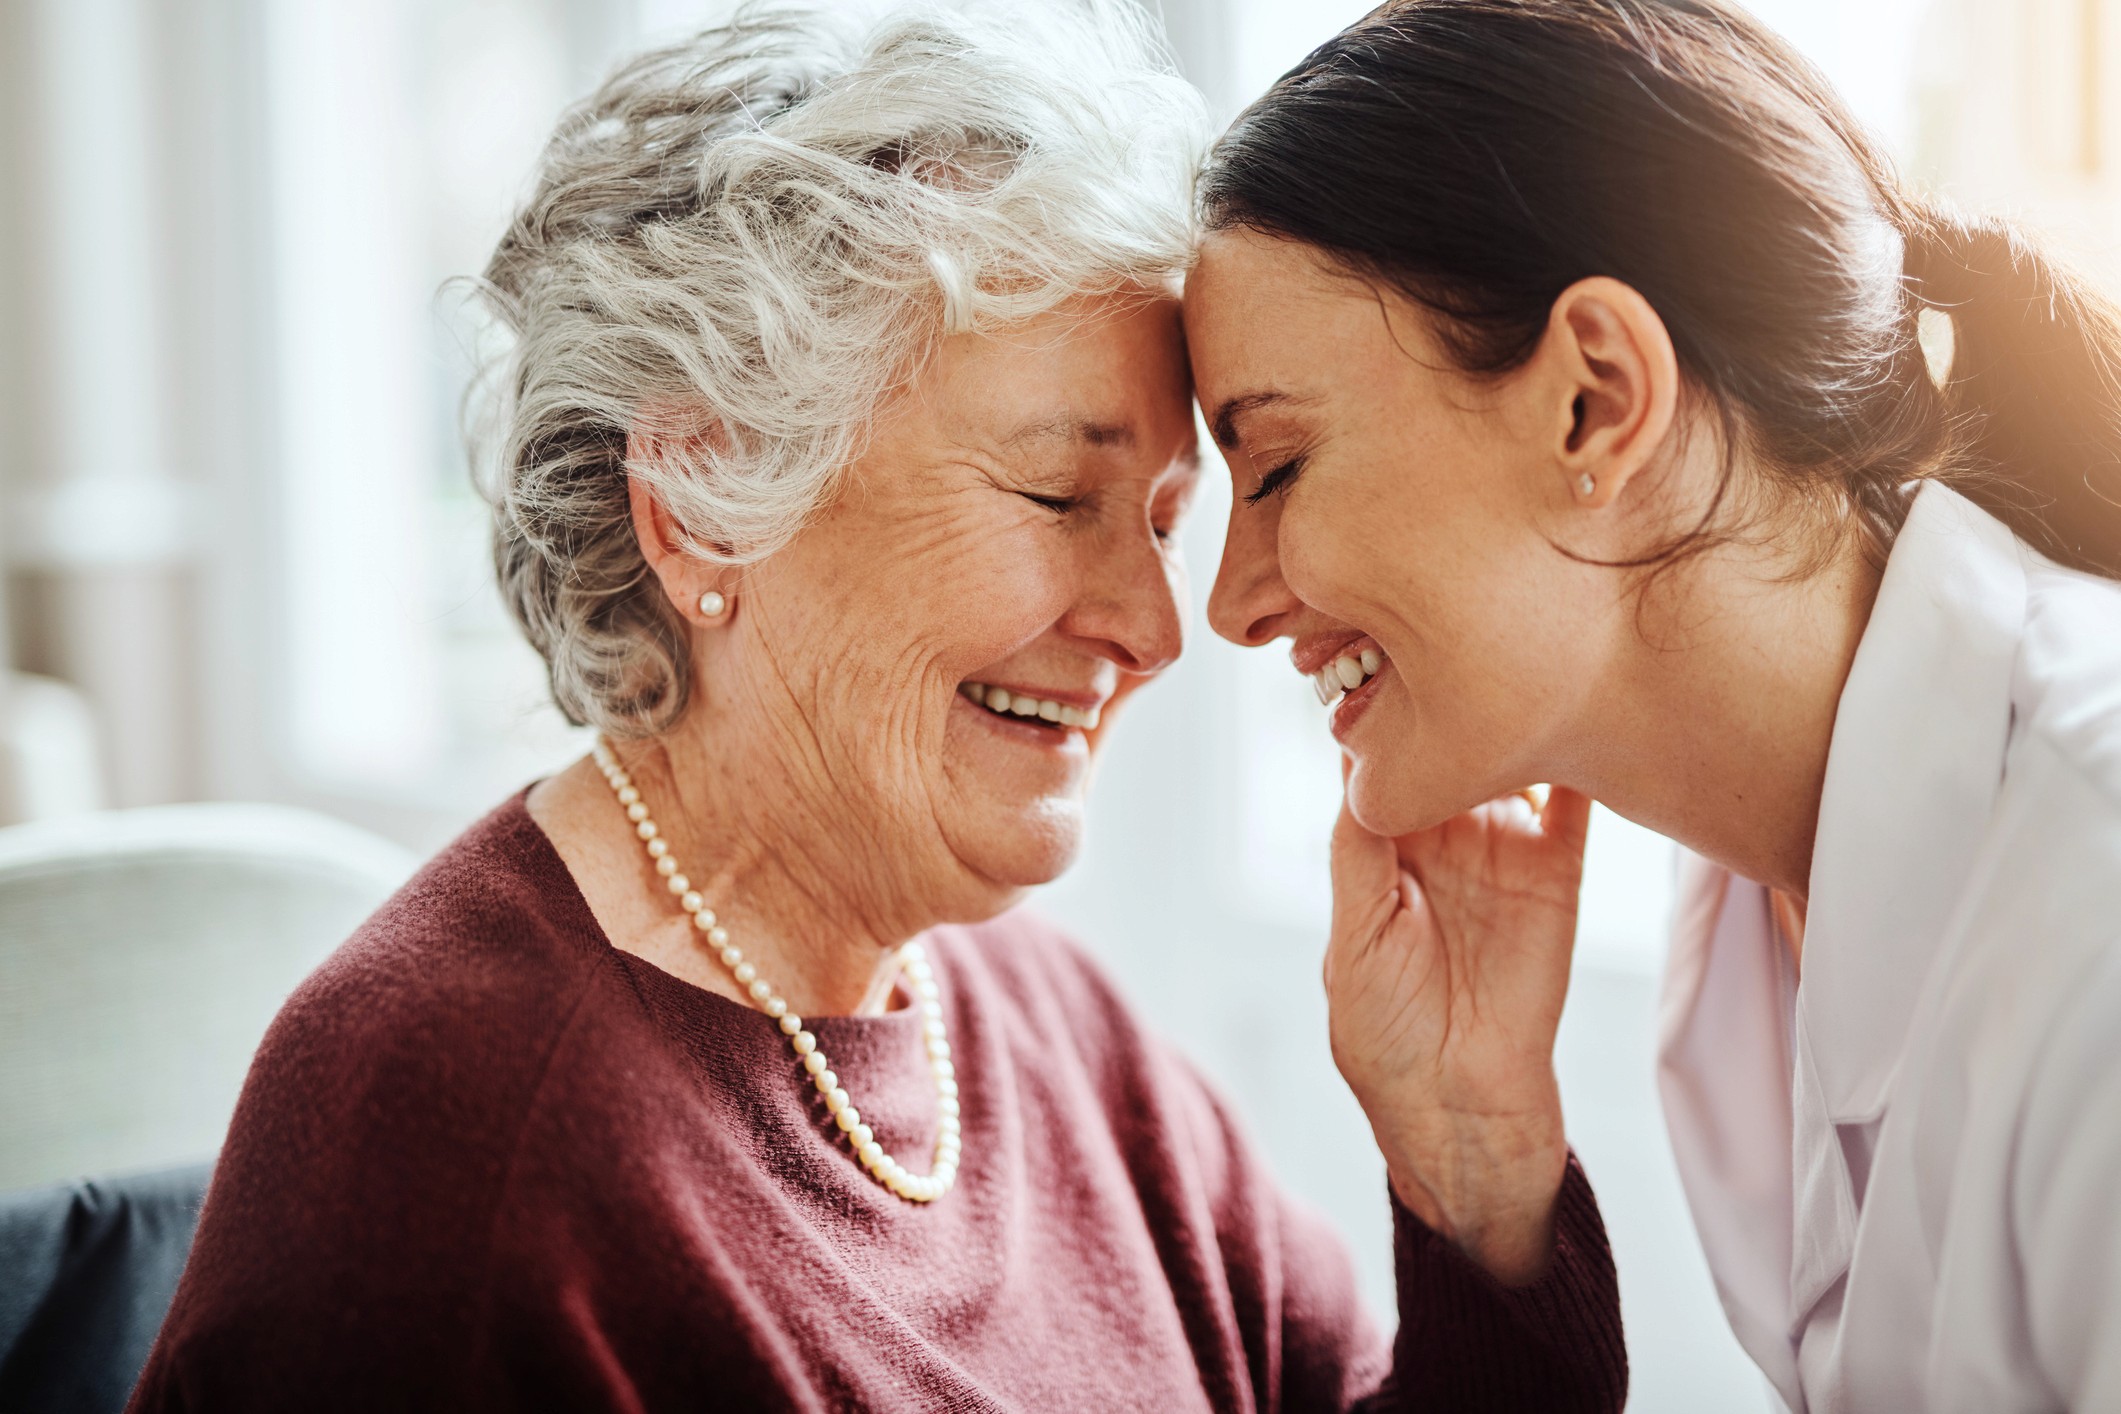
{"x": 843, "y": 439}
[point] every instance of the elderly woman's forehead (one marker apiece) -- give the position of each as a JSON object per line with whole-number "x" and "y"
{"x": 1079, "y": 378}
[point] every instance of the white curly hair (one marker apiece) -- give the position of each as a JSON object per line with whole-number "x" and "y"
{"x": 745, "y": 241}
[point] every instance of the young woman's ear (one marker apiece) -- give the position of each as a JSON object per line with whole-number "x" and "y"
{"x": 702, "y": 591}
{"x": 1619, "y": 380}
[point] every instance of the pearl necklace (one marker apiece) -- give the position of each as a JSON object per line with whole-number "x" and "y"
{"x": 918, "y": 1188}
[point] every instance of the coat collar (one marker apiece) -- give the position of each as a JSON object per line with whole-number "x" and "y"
{"x": 1911, "y": 777}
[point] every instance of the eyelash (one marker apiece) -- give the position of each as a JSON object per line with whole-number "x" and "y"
{"x": 1279, "y": 479}
{"x": 1061, "y": 505}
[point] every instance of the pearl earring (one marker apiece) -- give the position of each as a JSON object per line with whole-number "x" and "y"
{"x": 1588, "y": 485}
{"x": 713, "y": 605}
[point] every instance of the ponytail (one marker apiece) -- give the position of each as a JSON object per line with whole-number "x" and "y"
{"x": 2035, "y": 381}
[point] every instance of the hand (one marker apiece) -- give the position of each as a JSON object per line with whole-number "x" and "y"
{"x": 1445, "y": 977}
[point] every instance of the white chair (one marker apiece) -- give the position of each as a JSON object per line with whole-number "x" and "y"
{"x": 49, "y": 765}
{"x": 142, "y": 954}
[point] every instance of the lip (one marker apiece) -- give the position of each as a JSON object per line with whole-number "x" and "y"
{"x": 1352, "y": 707}
{"x": 1312, "y": 652}
{"x": 1043, "y": 736}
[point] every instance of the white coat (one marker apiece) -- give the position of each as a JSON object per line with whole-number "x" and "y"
{"x": 1905, "y": 1166}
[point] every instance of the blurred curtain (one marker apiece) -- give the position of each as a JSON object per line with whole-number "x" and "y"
{"x": 121, "y": 318}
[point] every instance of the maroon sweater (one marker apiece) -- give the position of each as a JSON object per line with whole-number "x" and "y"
{"x": 485, "y": 1160}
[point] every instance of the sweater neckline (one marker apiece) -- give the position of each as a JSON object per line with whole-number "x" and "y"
{"x": 881, "y": 1056}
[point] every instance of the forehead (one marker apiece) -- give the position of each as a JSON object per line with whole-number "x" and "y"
{"x": 1273, "y": 323}
{"x": 1104, "y": 373}
{"x": 1243, "y": 268}
{"x": 1250, "y": 293}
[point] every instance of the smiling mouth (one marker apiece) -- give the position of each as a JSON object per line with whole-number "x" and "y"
{"x": 1033, "y": 711}
{"x": 1347, "y": 673}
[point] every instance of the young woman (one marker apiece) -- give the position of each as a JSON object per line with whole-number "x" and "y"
{"x": 1603, "y": 412}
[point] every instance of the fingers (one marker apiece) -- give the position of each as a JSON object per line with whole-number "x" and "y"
{"x": 1563, "y": 815}
{"x": 1567, "y": 817}
{"x": 1365, "y": 871}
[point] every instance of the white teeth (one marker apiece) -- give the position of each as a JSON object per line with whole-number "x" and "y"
{"x": 1346, "y": 673}
{"x": 1045, "y": 709}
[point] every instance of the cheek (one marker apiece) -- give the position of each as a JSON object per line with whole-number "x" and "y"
{"x": 1332, "y": 557}
{"x": 1005, "y": 588}
{"x": 1438, "y": 536}
{"x": 944, "y": 596}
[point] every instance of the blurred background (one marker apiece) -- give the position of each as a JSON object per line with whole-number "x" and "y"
{"x": 240, "y": 559}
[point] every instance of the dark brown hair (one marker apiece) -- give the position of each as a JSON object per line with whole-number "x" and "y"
{"x": 1480, "y": 156}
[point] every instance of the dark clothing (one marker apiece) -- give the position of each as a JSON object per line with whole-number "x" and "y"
{"x": 86, "y": 1274}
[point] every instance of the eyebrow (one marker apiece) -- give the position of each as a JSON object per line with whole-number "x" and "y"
{"x": 1068, "y": 427}
{"x": 1224, "y": 424}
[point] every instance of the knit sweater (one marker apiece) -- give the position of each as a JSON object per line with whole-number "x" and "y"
{"x": 485, "y": 1160}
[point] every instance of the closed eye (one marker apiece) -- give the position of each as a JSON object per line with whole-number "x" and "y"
{"x": 1278, "y": 479}
{"x": 1059, "y": 505}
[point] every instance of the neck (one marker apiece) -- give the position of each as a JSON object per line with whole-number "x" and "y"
{"x": 821, "y": 922}
{"x": 1716, "y": 727}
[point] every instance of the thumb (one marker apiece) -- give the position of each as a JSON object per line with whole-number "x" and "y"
{"x": 1365, "y": 876}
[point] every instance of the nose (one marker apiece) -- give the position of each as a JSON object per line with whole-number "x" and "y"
{"x": 1250, "y": 604}
{"x": 1133, "y": 611}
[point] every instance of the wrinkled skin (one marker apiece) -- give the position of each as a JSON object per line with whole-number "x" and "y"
{"x": 1010, "y": 522}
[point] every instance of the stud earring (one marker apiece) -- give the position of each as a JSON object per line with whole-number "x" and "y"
{"x": 1588, "y": 485}
{"x": 713, "y": 605}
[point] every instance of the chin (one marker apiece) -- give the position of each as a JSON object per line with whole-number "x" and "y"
{"x": 1028, "y": 847}
{"x": 1388, "y": 799}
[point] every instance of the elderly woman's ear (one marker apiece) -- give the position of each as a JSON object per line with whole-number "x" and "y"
{"x": 702, "y": 591}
